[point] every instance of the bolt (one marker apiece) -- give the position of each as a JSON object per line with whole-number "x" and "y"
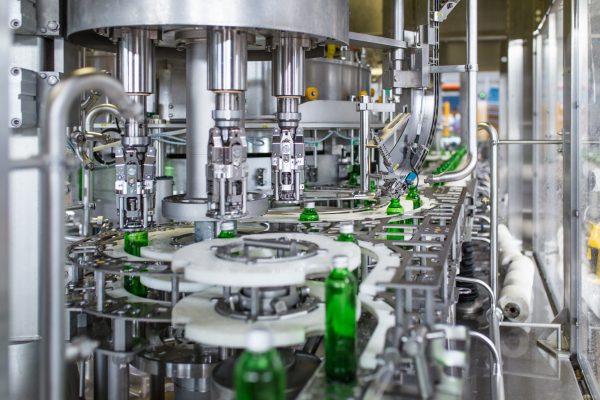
{"x": 15, "y": 122}
{"x": 43, "y": 30}
{"x": 171, "y": 106}
{"x": 43, "y": 75}
{"x": 15, "y": 71}
{"x": 52, "y": 80}
{"x": 170, "y": 115}
{"x": 53, "y": 25}
{"x": 15, "y": 23}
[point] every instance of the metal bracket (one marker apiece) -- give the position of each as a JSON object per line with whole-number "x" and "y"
{"x": 441, "y": 15}
{"x": 442, "y": 69}
{"x": 22, "y": 108}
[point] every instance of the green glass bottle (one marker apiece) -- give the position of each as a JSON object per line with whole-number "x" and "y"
{"x": 395, "y": 208}
{"x": 133, "y": 284}
{"x": 309, "y": 214}
{"x": 134, "y": 241}
{"x": 353, "y": 176}
{"x": 414, "y": 196}
{"x": 259, "y": 373}
{"x": 372, "y": 186}
{"x": 227, "y": 230}
{"x": 347, "y": 233}
{"x": 340, "y": 322}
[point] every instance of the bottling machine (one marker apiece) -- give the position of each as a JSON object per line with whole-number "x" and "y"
{"x": 180, "y": 142}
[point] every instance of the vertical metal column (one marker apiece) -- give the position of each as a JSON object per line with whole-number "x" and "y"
{"x": 398, "y": 34}
{"x": 4, "y": 212}
{"x": 363, "y": 152}
{"x": 199, "y": 105}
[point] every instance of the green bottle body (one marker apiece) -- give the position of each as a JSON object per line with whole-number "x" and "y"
{"x": 309, "y": 215}
{"x": 226, "y": 235}
{"x": 351, "y": 238}
{"x": 414, "y": 196}
{"x": 395, "y": 208}
{"x": 340, "y": 326}
{"x": 259, "y": 376}
{"x": 347, "y": 237}
{"x": 133, "y": 243}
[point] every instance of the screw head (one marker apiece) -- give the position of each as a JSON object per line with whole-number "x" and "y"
{"x": 53, "y": 25}
{"x": 52, "y": 80}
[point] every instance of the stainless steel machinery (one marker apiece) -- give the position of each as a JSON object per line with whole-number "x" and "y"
{"x": 232, "y": 116}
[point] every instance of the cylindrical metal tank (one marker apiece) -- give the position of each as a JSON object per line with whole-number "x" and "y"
{"x": 336, "y": 79}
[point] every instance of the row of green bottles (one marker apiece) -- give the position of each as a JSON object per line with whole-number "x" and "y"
{"x": 395, "y": 208}
{"x": 340, "y": 322}
{"x": 452, "y": 163}
{"x": 133, "y": 243}
{"x": 309, "y": 213}
{"x": 227, "y": 230}
{"x": 259, "y": 373}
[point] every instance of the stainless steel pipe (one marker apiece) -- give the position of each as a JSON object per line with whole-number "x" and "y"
{"x": 497, "y": 373}
{"x": 52, "y": 231}
{"x": 493, "y": 139}
{"x": 472, "y": 68}
{"x": 199, "y": 105}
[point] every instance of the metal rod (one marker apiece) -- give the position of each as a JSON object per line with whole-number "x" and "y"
{"x": 497, "y": 375}
{"x": 558, "y": 328}
{"x": 174, "y": 289}
{"x": 362, "y": 147}
{"x": 548, "y": 141}
{"x": 52, "y": 230}
{"x": 493, "y": 139}
{"x": 472, "y": 100}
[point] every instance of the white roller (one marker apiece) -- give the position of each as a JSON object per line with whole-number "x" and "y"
{"x": 509, "y": 247}
{"x": 202, "y": 265}
{"x": 517, "y": 290}
{"x": 518, "y": 298}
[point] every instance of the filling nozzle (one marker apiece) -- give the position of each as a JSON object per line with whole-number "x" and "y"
{"x": 227, "y": 169}
{"x": 287, "y": 151}
{"x": 135, "y": 159}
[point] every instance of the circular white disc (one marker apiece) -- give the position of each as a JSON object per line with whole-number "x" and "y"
{"x": 202, "y": 265}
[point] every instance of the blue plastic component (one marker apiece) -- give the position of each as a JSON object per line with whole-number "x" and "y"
{"x": 410, "y": 178}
